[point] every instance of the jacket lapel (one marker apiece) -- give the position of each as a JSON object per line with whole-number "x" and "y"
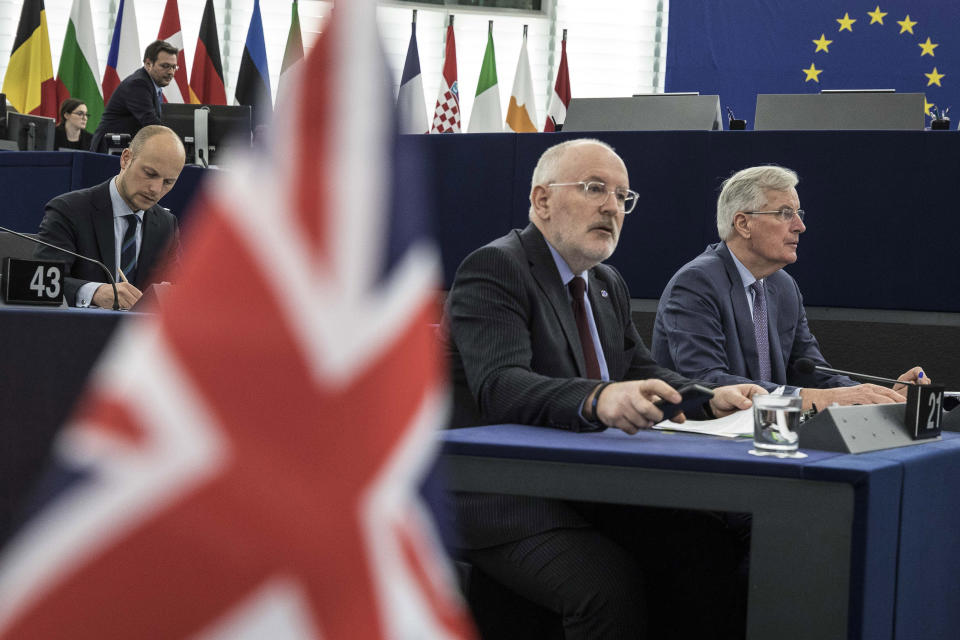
{"x": 544, "y": 271}
{"x": 741, "y": 313}
{"x": 103, "y": 227}
{"x": 778, "y": 368}
{"x": 148, "y": 248}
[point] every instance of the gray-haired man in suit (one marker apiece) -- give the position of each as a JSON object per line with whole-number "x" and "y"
{"x": 518, "y": 356}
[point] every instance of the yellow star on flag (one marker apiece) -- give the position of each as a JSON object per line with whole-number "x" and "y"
{"x": 926, "y": 107}
{"x": 934, "y": 77}
{"x": 927, "y": 47}
{"x": 876, "y": 15}
{"x": 845, "y": 22}
{"x": 814, "y": 74}
{"x": 906, "y": 24}
{"x": 823, "y": 44}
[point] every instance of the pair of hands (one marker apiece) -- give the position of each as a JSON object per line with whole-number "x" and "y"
{"x": 862, "y": 393}
{"x": 127, "y": 294}
{"x": 628, "y": 406}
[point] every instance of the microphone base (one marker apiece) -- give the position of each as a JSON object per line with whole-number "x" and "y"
{"x": 858, "y": 429}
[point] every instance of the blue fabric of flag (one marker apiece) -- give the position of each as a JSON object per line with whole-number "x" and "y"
{"x": 739, "y": 48}
{"x": 114, "y": 53}
{"x": 411, "y": 66}
{"x": 255, "y": 45}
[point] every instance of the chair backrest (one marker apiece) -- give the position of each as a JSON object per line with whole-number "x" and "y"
{"x": 15, "y": 247}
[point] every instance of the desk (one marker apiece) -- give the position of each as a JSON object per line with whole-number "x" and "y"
{"x": 863, "y": 546}
{"x": 46, "y": 356}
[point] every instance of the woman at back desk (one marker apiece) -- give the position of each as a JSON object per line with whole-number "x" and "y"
{"x": 71, "y": 131}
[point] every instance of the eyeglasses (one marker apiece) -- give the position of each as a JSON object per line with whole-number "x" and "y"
{"x": 79, "y": 114}
{"x": 784, "y": 214}
{"x": 166, "y": 66}
{"x": 597, "y": 193}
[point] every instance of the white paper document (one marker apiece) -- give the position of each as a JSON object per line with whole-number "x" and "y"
{"x": 732, "y": 426}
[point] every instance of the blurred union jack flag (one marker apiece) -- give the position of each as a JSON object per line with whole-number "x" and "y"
{"x": 246, "y": 462}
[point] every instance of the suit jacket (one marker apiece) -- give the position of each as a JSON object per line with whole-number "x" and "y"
{"x": 516, "y": 358}
{"x": 704, "y": 327}
{"x": 82, "y": 221}
{"x": 133, "y": 105}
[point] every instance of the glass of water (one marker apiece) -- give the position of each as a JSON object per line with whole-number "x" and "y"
{"x": 775, "y": 422}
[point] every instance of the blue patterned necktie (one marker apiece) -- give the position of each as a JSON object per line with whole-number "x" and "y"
{"x": 760, "y": 331}
{"x": 128, "y": 248}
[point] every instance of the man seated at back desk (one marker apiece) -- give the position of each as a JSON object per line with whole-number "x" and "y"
{"x": 541, "y": 334}
{"x": 119, "y": 223}
{"x": 733, "y": 315}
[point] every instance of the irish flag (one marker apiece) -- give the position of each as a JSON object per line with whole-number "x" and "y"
{"x": 485, "y": 117}
{"x": 79, "y": 73}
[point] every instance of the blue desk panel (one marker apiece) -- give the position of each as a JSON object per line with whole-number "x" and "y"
{"x": 902, "y": 547}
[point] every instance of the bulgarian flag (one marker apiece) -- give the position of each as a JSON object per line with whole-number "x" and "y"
{"x": 178, "y": 90}
{"x": 29, "y": 82}
{"x": 79, "y": 73}
{"x": 486, "y": 115}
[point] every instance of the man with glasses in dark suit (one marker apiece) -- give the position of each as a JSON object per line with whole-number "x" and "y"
{"x": 541, "y": 334}
{"x": 136, "y": 102}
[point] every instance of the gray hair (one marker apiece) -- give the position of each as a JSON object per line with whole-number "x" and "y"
{"x": 746, "y": 190}
{"x": 549, "y": 163}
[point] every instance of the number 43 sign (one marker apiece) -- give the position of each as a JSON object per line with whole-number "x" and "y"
{"x": 32, "y": 282}
{"x": 924, "y": 409}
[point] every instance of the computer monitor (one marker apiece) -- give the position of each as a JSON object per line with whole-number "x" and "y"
{"x": 226, "y": 126}
{"x": 31, "y": 133}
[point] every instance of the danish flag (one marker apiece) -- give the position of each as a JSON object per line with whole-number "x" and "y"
{"x": 246, "y": 461}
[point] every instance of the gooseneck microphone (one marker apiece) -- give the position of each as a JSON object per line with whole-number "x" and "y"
{"x": 807, "y": 366}
{"x": 113, "y": 282}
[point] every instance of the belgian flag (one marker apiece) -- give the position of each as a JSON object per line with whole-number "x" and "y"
{"x": 206, "y": 78}
{"x": 29, "y": 82}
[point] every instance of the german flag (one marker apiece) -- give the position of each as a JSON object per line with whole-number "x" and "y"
{"x": 29, "y": 82}
{"x": 206, "y": 78}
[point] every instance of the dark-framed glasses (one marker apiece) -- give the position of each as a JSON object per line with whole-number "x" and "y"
{"x": 784, "y": 214}
{"x": 597, "y": 193}
{"x": 166, "y": 66}
{"x": 79, "y": 114}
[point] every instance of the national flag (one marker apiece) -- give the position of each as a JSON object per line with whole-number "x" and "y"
{"x": 560, "y": 100}
{"x": 446, "y": 113}
{"x": 79, "y": 73}
{"x": 522, "y": 110}
{"x": 258, "y": 478}
{"x": 125, "y": 55}
{"x": 292, "y": 55}
{"x": 253, "y": 81}
{"x": 29, "y": 82}
{"x": 485, "y": 116}
{"x": 177, "y": 91}
{"x": 411, "y": 105}
{"x": 740, "y": 48}
{"x": 206, "y": 78}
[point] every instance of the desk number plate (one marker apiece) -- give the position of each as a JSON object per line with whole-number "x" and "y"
{"x": 32, "y": 282}
{"x": 924, "y": 410}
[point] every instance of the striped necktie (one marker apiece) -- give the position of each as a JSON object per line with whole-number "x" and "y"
{"x": 128, "y": 248}
{"x": 760, "y": 330}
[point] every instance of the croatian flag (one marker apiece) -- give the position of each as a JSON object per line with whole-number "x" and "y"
{"x": 125, "y": 55}
{"x": 250, "y": 470}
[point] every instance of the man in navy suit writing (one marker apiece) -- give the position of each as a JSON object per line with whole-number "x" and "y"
{"x": 119, "y": 223}
{"x": 733, "y": 315}
{"x": 137, "y": 101}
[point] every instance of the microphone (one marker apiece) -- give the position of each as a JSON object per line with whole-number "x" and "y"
{"x": 113, "y": 282}
{"x": 806, "y": 366}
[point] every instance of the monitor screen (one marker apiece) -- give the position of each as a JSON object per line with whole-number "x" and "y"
{"x": 227, "y": 126}
{"x": 31, "y": 133}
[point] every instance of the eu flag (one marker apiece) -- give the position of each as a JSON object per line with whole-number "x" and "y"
{"x": 739, "y": 48}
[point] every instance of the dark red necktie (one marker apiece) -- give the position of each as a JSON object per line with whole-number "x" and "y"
{"x": 577, "y": 289}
